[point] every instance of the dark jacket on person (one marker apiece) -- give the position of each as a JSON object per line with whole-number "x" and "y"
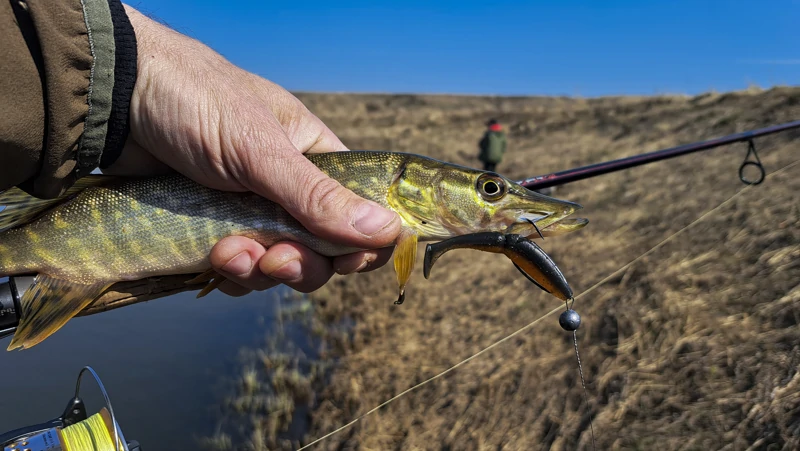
{"x": 67, "y": 72}
{"x": 493, "y": 145}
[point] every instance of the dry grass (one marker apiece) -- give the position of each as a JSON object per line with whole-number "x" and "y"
{"x": 275, "y": 387}
{"x": 695, "y": 347}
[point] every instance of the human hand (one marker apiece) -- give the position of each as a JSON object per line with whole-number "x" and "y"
{"x": 194, "y": 112}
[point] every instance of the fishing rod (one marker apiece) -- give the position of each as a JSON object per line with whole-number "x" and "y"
{"x": 73, "y": 429}
{"x": 593, "y": 170}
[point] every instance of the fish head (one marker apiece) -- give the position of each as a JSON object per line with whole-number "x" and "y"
{"x": 441, "y": 200}
{"x": 518, "y": 210}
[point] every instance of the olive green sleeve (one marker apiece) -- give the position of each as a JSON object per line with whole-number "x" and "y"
{"x": 67, "y": 71}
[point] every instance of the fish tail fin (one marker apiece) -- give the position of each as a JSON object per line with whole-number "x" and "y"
{"x": 47, "y": 305}
{"x": 18, "y": 207}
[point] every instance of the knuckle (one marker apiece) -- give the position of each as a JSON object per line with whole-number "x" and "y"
{"x": 249, "y": 152}
{"x": 325, "y": 195}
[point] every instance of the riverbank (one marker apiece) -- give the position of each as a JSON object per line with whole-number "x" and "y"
{"x": 695, "y": 346}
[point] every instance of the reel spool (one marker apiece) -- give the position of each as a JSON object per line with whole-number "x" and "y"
{"x": 73, "y": 430}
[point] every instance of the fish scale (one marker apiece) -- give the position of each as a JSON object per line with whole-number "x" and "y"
{"x": 107, "y": 229}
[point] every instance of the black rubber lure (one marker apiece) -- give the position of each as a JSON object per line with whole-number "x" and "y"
{"x": 526, "y": 255}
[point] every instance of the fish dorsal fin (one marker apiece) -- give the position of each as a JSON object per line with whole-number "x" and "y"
{"x": 47, "y": 305}
{"x": 19, "y": 207}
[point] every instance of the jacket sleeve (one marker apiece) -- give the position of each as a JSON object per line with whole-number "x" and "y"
{"x": 67, "y": 72}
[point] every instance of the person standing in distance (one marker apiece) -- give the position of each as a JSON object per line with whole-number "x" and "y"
{"x": 492, "y": 145}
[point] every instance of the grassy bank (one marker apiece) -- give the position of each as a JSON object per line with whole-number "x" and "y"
{"x": 694, "y": 347}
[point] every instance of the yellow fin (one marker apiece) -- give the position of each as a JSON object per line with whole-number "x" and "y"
{"x": 212, "y": 285}
{"x": 201, "y": 278}
{"x": 47, "y": 305}
{"x": 405, "y": 256}
{"x": 213, "y": 278}
{"x": 21, "y": 207}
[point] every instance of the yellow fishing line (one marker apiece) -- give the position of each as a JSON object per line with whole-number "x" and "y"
{"x": 92, "y": 434}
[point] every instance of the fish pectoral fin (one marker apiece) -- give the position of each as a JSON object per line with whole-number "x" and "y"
{"x": 206, "y": 276}
{"x": 48, "y": 304}
{"x": 213, "y": 284}
{"x": 405, "y": 256}
{"x": 211, "y": 276}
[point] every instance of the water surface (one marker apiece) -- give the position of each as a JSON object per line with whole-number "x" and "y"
{"x": 167, "y": 364}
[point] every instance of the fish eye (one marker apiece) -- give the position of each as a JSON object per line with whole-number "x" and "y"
{"x": 491, "y": 187}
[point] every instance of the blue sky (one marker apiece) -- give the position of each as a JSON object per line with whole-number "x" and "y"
{"x": 585, "y": 48}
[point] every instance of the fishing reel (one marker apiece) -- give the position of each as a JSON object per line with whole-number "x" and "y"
{"x": 74, "y": 430}
{"x": 10, "y": 293}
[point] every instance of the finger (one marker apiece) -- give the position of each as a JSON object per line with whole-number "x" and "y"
{"x": 310, "y": 135}
{"x": 296, "y": 266}
{"x": 326, "y": 141}
{"x": 236, "y": 257}
{"x": 363, "y": 261}
{"x": 233, "y": 289}
{"x": 321, "y": 204}
{"x": 303, "y": 128}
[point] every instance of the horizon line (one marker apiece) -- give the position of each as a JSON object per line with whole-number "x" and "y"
{"x": 750, "y": 88}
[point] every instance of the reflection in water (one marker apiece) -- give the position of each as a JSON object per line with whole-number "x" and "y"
{"x": 166, "y": 364}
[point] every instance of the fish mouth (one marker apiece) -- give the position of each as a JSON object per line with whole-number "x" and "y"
{"x": 546, "y": 217}
{"x": 563, "y": 226}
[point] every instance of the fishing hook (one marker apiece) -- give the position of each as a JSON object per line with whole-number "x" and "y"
{"x": 535, "y": 227}
{"x": 751, "y": 148}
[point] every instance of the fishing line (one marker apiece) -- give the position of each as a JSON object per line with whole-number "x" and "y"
{"x": 92, "y": 434}
{"x": 583, "y": 384}
{"x": 431, "y": 379}
{"x": 533, "y": 223}
{"x": 551, "y": 312}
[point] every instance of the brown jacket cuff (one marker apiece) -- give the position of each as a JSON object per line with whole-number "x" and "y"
{"x": 125, "y": 68}
{"x": 86, "y": 54}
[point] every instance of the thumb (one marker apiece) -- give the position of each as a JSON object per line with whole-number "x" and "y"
{"x": 321, "y": 204}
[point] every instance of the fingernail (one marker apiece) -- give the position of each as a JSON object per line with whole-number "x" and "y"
{"x": 289, "y": 271}
{"x": 239, "y": 265}
{"x": 359, "y": 269}
{"x": 371, "y": 218}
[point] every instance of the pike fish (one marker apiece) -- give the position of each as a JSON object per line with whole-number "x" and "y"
{"x": 108, "y": 229}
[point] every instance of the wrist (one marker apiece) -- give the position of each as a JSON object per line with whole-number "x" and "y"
{"x": 151, "y": 39}
{"x": 175, "y": 75}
